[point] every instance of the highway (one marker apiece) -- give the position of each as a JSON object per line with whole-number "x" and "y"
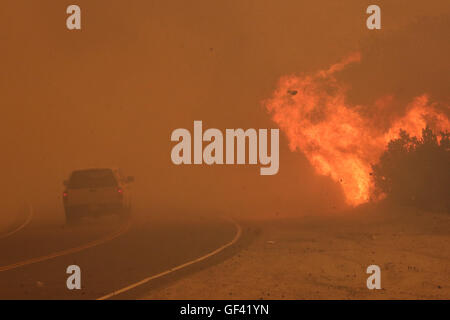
{"x": 118, "y": 259}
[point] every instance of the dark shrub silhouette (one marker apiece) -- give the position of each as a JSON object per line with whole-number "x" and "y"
{"x": 415, "y": 171}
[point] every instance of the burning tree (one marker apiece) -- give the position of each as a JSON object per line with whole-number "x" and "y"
{"x": 415, "y": 170}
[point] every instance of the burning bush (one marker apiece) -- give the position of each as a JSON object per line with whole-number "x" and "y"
{"x": 342, "y": 140}
{"x": 415, "y": 170}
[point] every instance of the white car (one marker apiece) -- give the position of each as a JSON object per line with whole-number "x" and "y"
{"x": 94, "y": 192}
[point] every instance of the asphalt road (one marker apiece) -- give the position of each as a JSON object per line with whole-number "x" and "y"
{"x": 112, "y": 254}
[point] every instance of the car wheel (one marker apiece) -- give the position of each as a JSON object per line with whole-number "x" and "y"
{"x": 124, "y": 213}
{"x": 71, "y": 217}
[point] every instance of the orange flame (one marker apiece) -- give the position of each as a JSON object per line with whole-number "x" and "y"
{"x": 337, "y": 139}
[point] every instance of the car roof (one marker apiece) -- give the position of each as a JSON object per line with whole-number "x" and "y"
{"x": 117, "y": 171}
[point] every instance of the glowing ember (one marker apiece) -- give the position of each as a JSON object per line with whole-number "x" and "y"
{"x": 337, "y": 139}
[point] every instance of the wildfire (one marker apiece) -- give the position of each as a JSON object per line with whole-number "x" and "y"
{"x": 338, "y": 139}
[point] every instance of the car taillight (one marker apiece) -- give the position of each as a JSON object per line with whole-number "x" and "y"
{"x": 119, "y": 190}
{"x": 65, "y": 194}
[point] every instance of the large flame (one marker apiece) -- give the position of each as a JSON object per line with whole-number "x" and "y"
{"x": 341, "y": 140}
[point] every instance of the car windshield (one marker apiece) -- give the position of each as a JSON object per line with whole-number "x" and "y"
{"x": 94, "y": 178}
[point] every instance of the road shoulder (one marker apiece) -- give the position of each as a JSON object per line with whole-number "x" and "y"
{"x": 327, "y": 257}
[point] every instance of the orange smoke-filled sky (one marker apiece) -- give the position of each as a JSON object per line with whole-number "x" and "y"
{"x": 112, "y": 93}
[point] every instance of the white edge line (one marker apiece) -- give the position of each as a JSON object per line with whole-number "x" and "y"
{"x": 184, "y": 265}
{"x": 27, "y": 220}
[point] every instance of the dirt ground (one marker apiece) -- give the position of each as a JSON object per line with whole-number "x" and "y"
{"x": 326, "y": 257}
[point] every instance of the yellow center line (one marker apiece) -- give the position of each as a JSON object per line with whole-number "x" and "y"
{"x": 124, "y": 228}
